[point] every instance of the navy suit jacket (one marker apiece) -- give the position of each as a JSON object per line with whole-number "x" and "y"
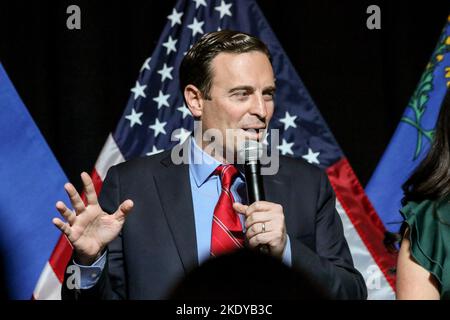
{"x": 157, "y": 245}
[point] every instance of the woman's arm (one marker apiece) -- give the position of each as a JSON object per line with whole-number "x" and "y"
{"x": 413, "y": 281}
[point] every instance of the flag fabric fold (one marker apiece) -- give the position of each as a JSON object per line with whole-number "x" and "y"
{"x": 31, "y": 181}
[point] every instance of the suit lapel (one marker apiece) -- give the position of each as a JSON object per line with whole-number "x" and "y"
{"x": 174, "y": 190}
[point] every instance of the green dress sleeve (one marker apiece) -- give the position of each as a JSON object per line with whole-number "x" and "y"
{"x": 429, "y": 233}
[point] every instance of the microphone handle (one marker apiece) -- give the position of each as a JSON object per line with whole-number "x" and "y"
{"x": 255, "y": 189}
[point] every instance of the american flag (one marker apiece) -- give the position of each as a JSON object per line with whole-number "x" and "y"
{"x": 156, "y": 108}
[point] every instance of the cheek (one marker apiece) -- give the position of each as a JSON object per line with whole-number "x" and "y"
{"x": 222, "y": 117}
{"x": 270, "y": 107}
{"x": 233, "y": 116}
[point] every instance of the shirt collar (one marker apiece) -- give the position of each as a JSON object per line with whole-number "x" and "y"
{"x": 202, "y": 165}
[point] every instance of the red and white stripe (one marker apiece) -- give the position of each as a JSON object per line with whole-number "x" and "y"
{"x": 229, "y": 235}
{"x": 363, "y": 229}
{"x": 49, "y": 284}
{"x": 364, "y": 232}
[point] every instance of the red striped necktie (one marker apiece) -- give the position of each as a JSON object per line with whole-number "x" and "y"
{"x": 227, "y": 232}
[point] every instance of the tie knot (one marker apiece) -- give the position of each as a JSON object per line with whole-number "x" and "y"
{"x": 227, "y": 174}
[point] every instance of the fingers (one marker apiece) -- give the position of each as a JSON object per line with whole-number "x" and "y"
{"x": 123, "y": 210}
{"x": 265, "y": 225}
{"x": 254, "y": 207}
{"x": 239, "y": 208}
{"x": 257, "y": 228}
{"x": 263, "y": 206}
{"x": 61, "y": 225}
{"x": 258, "y": 217}
{"x": 261, "y": 238}
{"x": 75, "y": 198}
{"x": 89, "y": 189}
{"x": 275, "y": 240}
{"x": 68, "y": 214}
{"x": 262, "y": 211}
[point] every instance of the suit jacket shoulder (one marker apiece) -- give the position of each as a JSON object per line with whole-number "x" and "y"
{"x": 136, "y": 165}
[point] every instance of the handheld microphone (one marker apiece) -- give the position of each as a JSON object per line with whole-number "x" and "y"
{"x": 252, "y": 169}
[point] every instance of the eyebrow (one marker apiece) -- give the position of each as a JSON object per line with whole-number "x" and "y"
{"x": 251, "y": 89}
{"x": 239, "y": 88}
{"x": 269, "y": 89}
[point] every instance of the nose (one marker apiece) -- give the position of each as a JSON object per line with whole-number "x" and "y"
{"x": 259, "y": 107}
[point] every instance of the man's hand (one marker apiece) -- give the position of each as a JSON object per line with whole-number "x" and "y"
{"x": 89, "y": 229}
{"x": 264, "y": 222}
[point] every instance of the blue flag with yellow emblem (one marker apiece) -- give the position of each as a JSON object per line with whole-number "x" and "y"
{"x": 411, "y": 140}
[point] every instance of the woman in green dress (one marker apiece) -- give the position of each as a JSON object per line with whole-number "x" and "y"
{"x": 423, "y": 267}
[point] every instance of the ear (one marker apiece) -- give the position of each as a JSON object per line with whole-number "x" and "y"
{"x": 194, "y": 100}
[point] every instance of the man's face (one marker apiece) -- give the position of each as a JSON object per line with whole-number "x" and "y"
{"x": 241, "y": 95}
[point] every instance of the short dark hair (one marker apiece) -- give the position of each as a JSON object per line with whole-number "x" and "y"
{"x": 195, "y": 68}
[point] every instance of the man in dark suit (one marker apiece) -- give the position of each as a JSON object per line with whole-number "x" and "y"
{"x": 185, "y": 213}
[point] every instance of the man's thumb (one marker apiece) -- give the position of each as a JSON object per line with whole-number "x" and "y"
{"x": 239, "y": 207}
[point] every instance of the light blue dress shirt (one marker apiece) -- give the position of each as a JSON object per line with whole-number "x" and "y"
{"x": 206, "y": 188}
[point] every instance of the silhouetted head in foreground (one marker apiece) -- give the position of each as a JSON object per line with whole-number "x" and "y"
{"x": 246, "y": 274}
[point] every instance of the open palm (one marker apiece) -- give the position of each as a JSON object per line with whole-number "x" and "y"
{"x": 89, "y": 229}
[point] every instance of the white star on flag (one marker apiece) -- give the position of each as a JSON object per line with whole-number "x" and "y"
{"x": 138, "y": 90}
{"x": 134, "y": 117}
{"x": 165, "y": 72}
{"x": 199, "y": 3}
{"x": 154, "y": 151}
{"x": 184, "y": 110}
{"x": 162, "y": 99}
{"x": 175, "y": 17}
{"x": 196, "y": 27}
{"x": 224, "y": 9}
{"x": 146, "y": 64}
{"x": 289, "y": 121}
{"x": 158, "y": 127}
{"x": 182, "y": 134}
{"x": 170, "y": 45}
{"x": 311, "y": 157}
{"x": 286, "y": 148}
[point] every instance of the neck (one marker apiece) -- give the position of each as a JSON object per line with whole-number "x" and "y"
{"x": 215, "y": 150}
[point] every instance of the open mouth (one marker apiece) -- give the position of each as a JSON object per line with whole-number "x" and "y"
{"x": 253, "y": 133}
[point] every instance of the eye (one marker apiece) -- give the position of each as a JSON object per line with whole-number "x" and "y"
{"x": 241, "y": 94}
{"x": 268, "y": 96}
